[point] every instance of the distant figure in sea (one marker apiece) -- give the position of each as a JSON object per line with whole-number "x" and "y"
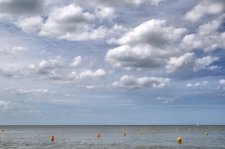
{"x": 153, "y": 131}
{"x": 98, "y": 135}
{"x": 141, "y": 132}
{"x": 124, "y": 134}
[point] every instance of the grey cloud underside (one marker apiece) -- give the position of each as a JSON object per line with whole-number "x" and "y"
{"x": 21, "y": 7}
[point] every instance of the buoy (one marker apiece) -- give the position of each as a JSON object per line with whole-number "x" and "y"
{"x": 98, "y": 135}
{"x": 206, "y": 133}
{"x": 176, "y": 129}
{"x": 52, "y": 138}
{"x": 179, "y": 140}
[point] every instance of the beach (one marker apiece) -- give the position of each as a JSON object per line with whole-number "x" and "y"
{"x": 81, "y": 137}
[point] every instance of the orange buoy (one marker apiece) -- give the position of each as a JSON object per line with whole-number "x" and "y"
{"x": 179, "y": 140}
{"x": 98, "y": 135}
{"x": 52, "y": 138}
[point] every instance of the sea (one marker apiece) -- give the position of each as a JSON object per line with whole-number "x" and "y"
{"x": 112, "y": 137}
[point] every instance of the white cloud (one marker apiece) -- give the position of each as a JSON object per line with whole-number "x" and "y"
{"x": 222, "y": 82}
{"x": 73, "y": 75}
{"x": 91, "y": 87}
{"x": 105, "y": 13}
{"x": 76, "y": 61}
{"x": 72, "y": 23}
{"x": 130, "y": 82}
{"x": 203, "y": 63}
{"x": 152, "y": 32}
{"x": 205, "y": 7}
{"x": 117, "y": 3}
{"x": 176, "y": 63}
{"x": 14, "y": 50}
{"x": 29, "y": 91}
{"x": 147, "y": 45}
{"x": 45, "y": 66}
{"x": 166, "y": 100}
{"x": 4, "y": 105}
{"x": 189, "y": 60}
{"x": 207, "y": 38}
{"x": 31, "y": 24}
{"x": 198, "y": 84}
{"x": 92, "y": 74}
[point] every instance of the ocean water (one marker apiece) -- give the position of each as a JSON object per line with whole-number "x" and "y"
{"x": 112, "y": 137}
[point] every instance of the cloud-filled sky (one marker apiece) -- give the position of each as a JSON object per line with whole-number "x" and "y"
{"x": 112, "y": 62}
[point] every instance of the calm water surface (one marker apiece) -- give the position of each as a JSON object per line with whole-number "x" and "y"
{"x": 81, "y": 137}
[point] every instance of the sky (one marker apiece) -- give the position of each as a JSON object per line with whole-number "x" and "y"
{"x": 104, "y": 62}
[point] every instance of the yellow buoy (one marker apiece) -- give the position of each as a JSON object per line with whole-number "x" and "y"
{"x": 179, "y": 140}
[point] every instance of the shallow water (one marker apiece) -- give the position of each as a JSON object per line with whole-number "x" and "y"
{"x": 81, "y": 137}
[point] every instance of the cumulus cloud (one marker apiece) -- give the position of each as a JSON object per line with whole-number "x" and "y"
{"x": 207, "y": 38}
{"x": 20, "y": 7}
{"x": 46, "y": 66}
{"x": 147, "y": 45}
{"x": 72, "y": 23}
{"x": 152, "y": 32}
{"x": 190, "y": 60}
{"x": 205, "y": 7}
{"x": 130, "y": 82}
{"x": 31, "y": 24}
{"x": 176, "y": 63}
{"x": 92, "y": 74}
{"x": 166, "y": 100}
{"x": 203, "y": 63}
{"x": 76, "y": 61}
{"x": 106, "y": 13}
